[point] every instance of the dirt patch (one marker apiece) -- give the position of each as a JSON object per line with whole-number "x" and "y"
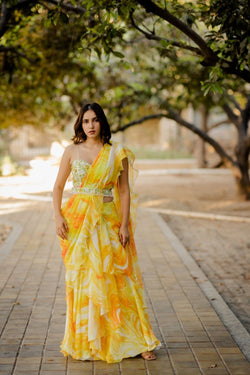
{"x": 201, "y": 193}
{"x": 221, "y": 248}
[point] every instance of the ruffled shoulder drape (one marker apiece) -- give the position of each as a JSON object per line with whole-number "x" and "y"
{"x": 121, "y": 153}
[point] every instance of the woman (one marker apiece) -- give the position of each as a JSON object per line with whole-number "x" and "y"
{"x": 106, "y": 317}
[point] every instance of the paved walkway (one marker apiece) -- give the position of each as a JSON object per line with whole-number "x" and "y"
{"x": 32, "y": 304}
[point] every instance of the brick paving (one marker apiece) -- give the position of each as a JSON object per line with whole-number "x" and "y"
{"x": 228, "y": 243}
{"x": 32, "y": 306}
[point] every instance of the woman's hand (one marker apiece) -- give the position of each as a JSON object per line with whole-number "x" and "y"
{"x": 124, "y": 235}
{"x": 61, "y": 227}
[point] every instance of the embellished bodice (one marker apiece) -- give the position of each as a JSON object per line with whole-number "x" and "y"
{"x": 79, "y": 169}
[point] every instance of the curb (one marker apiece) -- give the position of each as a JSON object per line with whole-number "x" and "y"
{"x": 200, "y": 215}
{"x": 184, "y": 171}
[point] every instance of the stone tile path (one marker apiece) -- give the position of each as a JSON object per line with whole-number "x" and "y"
{"x": 222, "y": 250}
{"x": 32, "y": 306}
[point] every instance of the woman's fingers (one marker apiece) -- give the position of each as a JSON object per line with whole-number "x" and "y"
{"x": 62, "y": 228}
{"x": 64, "y": 236}
{"x": 124, "y": 239}
{"x": 62, "y": 232}
{"x": 65, "y": 226}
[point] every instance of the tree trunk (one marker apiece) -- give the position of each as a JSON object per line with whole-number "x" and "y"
{"x": 242, "y": 175}
{"x": 242, "y": 182}
{"x": 202, "y": 162}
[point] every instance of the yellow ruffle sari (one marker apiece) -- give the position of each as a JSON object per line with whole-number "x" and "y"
{"x": 106, "y": 313}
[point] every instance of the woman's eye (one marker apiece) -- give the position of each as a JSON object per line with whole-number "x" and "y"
{"x": 87, "y": 121}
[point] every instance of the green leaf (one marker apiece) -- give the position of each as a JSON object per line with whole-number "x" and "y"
{"x": 118, "y": 54}
{"x": 47, "y": 22}
{"x": 98, "y": 52}
{"x": 165, "y": 43}
{"x": 126, "y": 65}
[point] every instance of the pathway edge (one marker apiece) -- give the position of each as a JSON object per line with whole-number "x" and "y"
{"x": 229, "y": 319}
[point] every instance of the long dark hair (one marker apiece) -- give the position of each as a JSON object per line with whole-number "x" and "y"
{"x": 105, "y": 133}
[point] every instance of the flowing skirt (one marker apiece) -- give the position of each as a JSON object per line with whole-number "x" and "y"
{"x": 106, "y": 313}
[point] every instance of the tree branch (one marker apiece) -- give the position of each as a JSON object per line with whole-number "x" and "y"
{"x": 226, "y": 158}
{"x": 139, "y": 121}
{"x": 229, "y": 68}
{"x": 217, "y": 165}
{"x": 217, "y": 147}
{"x": 70, "y": 7}
{"x": 231, "y": 115}
{"x": 222, "y": 122}
{"x": 234, "y": 101}
{"x": 151, "y": 36}
{"x": 210, "y": 58}
{"x": 6, "y": 11}
{"x": 151, "y": 7}
{"x": 17, "y": 52}
{"x": 21, "y": 4}
{"x": 4, "y": 18}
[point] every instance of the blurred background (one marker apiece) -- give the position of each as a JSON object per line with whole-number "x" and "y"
{"x": 169, "y": 92}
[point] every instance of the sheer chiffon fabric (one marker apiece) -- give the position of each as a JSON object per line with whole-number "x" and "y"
{"x": 106, "y": 313}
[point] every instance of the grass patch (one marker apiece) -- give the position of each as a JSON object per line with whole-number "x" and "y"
{"x": 144, "y": 153}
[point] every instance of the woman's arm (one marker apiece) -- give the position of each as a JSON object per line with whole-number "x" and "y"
{"x": 124, "y": 192}
{"x": 63, "y": 174}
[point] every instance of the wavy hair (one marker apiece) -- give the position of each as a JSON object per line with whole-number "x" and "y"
{"x": 105, "y": 133}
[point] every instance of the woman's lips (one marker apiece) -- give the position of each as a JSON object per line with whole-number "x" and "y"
{"x": 91, "y": 132}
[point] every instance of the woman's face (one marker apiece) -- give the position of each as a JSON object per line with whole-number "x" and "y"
{"x": 91, "y": 124}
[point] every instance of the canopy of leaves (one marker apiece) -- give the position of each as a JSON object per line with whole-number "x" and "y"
{"x": 54, "y": 55}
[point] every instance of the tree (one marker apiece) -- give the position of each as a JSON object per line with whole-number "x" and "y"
{"x": 216, "y": 35}
{"x": 198, "y": 41}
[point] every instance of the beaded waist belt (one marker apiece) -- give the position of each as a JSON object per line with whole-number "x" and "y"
{"x": 90, "y": 191}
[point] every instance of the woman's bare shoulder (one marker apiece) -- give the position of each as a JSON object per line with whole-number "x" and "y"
{"x": 71, "y": 147}
{"x": 70, "y": 150}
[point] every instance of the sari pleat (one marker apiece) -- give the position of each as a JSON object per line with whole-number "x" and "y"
{"x": 106, "y": 313}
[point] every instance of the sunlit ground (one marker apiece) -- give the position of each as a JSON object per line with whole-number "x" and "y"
{"x": 40, "y": 176}
{"x": 8, "y": 207}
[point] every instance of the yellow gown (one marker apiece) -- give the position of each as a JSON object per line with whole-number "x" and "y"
{"x": 106, "y": 313}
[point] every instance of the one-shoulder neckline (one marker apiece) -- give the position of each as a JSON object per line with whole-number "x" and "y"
{"x": 94, "y": 161}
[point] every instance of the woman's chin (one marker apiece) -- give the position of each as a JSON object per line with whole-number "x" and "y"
{"x": 94, "y": 136}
